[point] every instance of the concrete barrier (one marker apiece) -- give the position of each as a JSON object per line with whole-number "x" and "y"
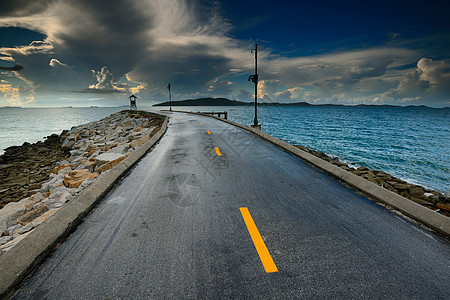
{"x": 21, "y": 259}
{"x": 417, "y": 212}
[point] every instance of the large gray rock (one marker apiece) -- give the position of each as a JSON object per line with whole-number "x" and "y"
{"x": 68, "y": 144}
{"x": 58, "y": 198}
{"x": 37, "y": 199}
{"x": 75, "y": 153}
{"x": 106, "y": 157}
{"x": 64, "y": 162}
{"x": 11, "y": 212}
{"x": 54, "y": 183}
{"x": 64, "y": 171}
{"x": 121, "y": 149}
{"x": 86, "y": 165}
{"x": 14, "y": 229}
{"x": 416, "y": 190}
{"x": 5, "y": 239}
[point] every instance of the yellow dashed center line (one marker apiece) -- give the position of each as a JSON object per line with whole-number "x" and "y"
{"x": 201, "y": 124}
{"x": 208, "y": 132}
{"x": 218, "y": 151}
{"x": 261, "y": 248}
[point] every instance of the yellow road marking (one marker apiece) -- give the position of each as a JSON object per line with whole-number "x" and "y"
{"x": 201, "y": 124}
{"x": 218, "y": 151}
{"x": 264, "y": 254}
{"x": 208, "y": 132}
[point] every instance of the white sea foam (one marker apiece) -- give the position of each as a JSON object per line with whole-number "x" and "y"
{"x": 414, "y": 181}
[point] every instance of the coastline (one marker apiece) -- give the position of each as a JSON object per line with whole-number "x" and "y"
{"x": 227, "y": 102}
{"x": 39, "y": 179}
{"x": 16, "y": 122}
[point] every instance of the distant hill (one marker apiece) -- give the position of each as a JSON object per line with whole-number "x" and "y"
{"x": 387, "y": 105}
{"x": 227, "y": 102}
{"x": 205, "y": 102}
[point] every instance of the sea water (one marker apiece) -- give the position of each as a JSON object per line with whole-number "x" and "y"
{"x": 19, "y": 125}
{"x": 410, "y": 143}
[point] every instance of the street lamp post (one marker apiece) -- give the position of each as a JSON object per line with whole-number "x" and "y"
{"x": 170, "y": 97}
{"x": 254, "y": 79}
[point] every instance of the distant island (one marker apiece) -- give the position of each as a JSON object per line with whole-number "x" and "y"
{"x": 205, "y": 102}
{"x": 228, "y": 102}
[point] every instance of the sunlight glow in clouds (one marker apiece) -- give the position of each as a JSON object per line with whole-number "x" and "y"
{"x": 118, "y": 47}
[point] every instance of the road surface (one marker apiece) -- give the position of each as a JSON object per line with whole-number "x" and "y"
{"x": 174, "y": 228}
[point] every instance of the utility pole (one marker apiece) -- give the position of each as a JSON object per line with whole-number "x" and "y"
{"x": 170, "y": 97}
{"x": 254, "y": 79}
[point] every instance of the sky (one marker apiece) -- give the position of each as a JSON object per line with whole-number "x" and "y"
{"x": 58, "y": 53}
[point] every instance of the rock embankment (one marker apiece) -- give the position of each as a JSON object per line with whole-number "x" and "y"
{"x": 38, "y": 179}
{"x": 428, "y": 198}
{"x": 24, "y": 168}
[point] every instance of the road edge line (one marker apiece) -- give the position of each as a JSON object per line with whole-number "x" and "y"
{"x": 26, "y": 255}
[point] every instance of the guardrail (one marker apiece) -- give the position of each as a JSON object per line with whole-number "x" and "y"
{"x": 224, "y": 113}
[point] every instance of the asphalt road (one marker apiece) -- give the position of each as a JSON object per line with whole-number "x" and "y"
{"x": 173, "y": 229}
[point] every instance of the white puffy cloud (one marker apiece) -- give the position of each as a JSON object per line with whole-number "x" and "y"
{"x": 436, "y": 73}
{"x": 358, "y": 76}
{"x": 54, "y": 63}
{"x": 105, "y": 79}
{"x": 276, "y": 91}
{"x": 9, "y": 93}
{"x": 338, "y": 72}
{"x": 428, "y": 82}
{"x": 295, "y": 94}
{"x": 270, "y": 87}
{"x": 14, "y": 96}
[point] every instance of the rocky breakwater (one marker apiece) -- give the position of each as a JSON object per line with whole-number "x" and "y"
{"x": 38, "y": 179}
{"x": 426, "y": 197}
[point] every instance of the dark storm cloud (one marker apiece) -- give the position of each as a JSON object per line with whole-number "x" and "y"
{"x": 16, "y": 67}
{"x": 100, "y": 91}
{"x": 142, "y": 36}
{"x": 154, "y": 41}
{"x": 108, "y": 47}
{"x": 221, "y": 88}
{"x": 20, "y": 8}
